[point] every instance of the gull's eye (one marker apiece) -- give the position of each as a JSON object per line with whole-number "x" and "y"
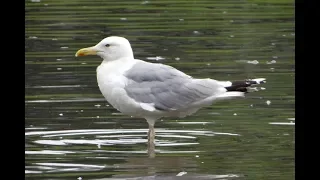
{"x": 107, "y": 45}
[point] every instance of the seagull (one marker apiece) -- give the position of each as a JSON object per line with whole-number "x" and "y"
{"x": 153, "y": 90}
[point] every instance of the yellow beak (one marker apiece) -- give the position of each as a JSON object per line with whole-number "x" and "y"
{"x": 86, "y": 52}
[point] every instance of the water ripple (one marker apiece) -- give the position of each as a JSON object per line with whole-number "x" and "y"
{"x": 48, "y": 152}
{"x": 61, "y": 167}
{"x": 102, "y": 138}
{"x": 121, "y": 131}
{"x": 66, "y": 100}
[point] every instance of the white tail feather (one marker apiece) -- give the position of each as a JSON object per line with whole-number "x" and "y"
{"x": 230, "y": 95}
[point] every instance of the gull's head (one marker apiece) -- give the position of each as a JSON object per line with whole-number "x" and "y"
{"x": 109, "y": 49}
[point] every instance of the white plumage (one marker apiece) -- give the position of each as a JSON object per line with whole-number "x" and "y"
{"x": 150, "y": 90}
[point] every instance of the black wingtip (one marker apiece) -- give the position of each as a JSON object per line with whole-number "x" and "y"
{"x": 243, "y": 86}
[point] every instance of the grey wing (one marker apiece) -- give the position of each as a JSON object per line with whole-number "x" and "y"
{"x": 167, "y": 88}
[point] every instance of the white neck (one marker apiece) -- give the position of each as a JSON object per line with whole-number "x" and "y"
{"x": 124, "y": 60}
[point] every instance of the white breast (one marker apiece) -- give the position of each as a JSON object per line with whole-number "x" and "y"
{"x": 111, "y": 83}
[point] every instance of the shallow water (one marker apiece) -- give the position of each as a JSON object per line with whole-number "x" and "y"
{"x": 71, "y": 132}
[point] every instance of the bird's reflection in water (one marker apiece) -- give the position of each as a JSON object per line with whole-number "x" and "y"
{"x": 144, "y": 166}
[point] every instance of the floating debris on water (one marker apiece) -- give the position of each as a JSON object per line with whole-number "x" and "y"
{"x": 97, "y": 105}
{"x": 208, "y": 64}
{"x": 98, "y": 117}
{"x": 181, "y": 173}
{"x": 235, "y": 114}
{"x": 232, "y": 36}
{"x": 273, "y": 44}
{"x": 35, "y": 0}
{"x": 59, "y": 69}
{"x": 177, "y": 59}
{"x": 268, "y": 102}
{"x": 60, "y": 114}
{"x": 83, "y": 63}
{"x": 197, "y": 156}
{"x": 196, "y": 32}
{"x": 81, "y": 110}
{"x": 292, "y": 119}
{"x": 275, "y": 57}
{"x": 157, "y": 58}
{"x": 224, "y": 12}
{"x": 54, "y": 39}
{"x": 144, "y": 2}
{"x": 123, "y": 19}
{"x": 272, "y": 62}
{"x": 181, "y": 19}
{"x": 79, "y": 178}
{"x": 33, "y": 37}
{"x": 59, "y": 59}
{"x": 262, "y": 88}
{"x": 253, "y": 62}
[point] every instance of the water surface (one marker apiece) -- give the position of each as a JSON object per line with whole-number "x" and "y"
{"x": 71, "y": 132}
